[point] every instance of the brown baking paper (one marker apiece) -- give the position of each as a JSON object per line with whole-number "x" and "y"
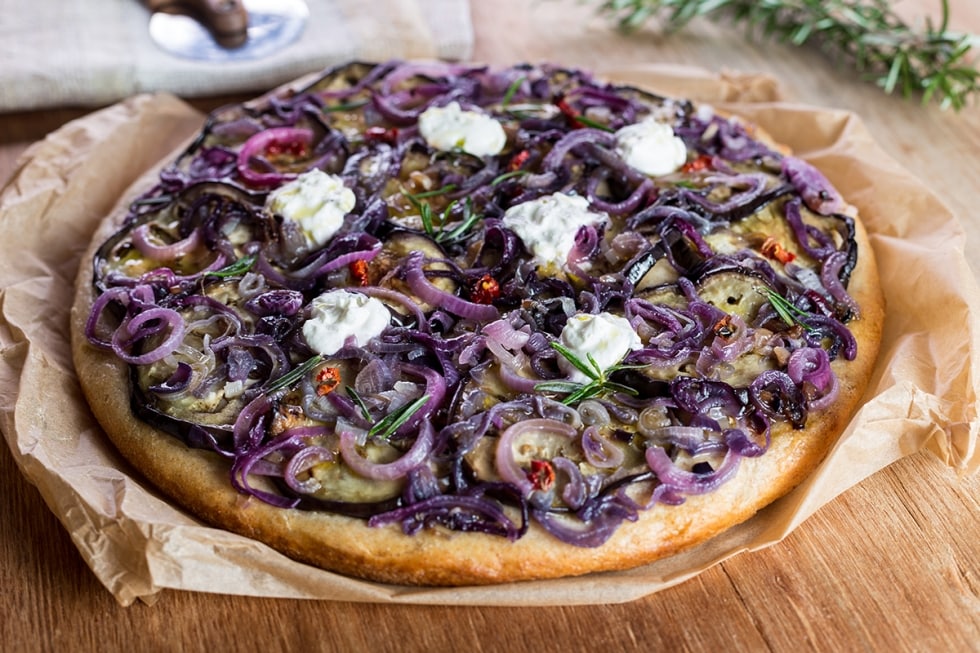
{"x": 922, "y": 396}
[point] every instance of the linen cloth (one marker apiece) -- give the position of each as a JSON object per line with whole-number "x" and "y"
{"x": 57, "y": 53}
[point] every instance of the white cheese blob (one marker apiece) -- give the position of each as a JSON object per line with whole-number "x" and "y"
{"x": 651, "y": 147}
{"x": 316, "y": 201}
{"x": 548, "y": 225}
{"x": 607, "y": 337}
{"x": 338, "y": 314}
{"x": 452, "y": 128}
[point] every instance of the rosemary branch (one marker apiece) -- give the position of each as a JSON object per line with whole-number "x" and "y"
{"x": 935, "y": 62}
{"x": 599, "y": 382}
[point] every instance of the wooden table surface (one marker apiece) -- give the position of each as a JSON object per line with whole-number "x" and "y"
{"x": 892, "y": 565}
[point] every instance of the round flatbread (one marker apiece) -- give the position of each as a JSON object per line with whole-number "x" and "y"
{"x": 446, "y": 325}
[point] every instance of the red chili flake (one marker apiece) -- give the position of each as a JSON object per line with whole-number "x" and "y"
{"x": 772, "y": 249}
{"x": 703, "y": 162}
{"x": 569, "y": 112}
{"x": 542, "y": 475}
{"x": 327, "y": 379}
{"x": 724, "y": 328}
{"x": 359, "y": 272}
{"x": 519, "y": 160}
{"x": 292, "y": 148}
{"x": 485, "y": 290}
{"x": 381, "y": 134}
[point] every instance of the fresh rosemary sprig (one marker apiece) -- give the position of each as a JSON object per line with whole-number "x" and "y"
{"x": 394, "y": 420}
{"x": 448, "y": 188}
{"x": 511, "y": 90}
{"x": 357, "y": 399}
{"x": 786, "y": 310}
{"x": 434, "y": 224}
{"x": 345, "y": 106}
{"x": 510, "y": 174}
{"x": 599, "y": 383}
{"x": 594, "y": 124}
{"x": 239, "y": 267}
{"x": 288, "y": 379}
{"x": 387, "y": 425}
{"x": 934, "y": 63}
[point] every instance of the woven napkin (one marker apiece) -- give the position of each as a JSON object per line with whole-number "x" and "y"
{"x": 56, "y": 53}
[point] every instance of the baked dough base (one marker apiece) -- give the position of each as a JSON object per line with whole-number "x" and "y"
{"x": 199, "y": 480}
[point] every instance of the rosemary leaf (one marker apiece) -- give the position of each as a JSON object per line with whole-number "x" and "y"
{"x": 425, "y": 213}
{"x": 594, "y": 124}
{"x": 599, "y": 383}
{"x": 511, "y": 90}
{"x": 564, "y": 387}
{"x": 239, "y": 267}
{"x": 346, "y": 106}
{"x": 356, "y": 397}
{"x": 292, "y": 376}
{"x": 448, "y": 188}
{"x": 508, "y": 175}
{"x": 787, "y": 311}
{"x": 470, "y": 218}
{"x": 578, "y": 363}
{"x": 390, "y": 423}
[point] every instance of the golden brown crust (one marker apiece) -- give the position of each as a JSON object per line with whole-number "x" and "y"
{"x": 198, "y": 481}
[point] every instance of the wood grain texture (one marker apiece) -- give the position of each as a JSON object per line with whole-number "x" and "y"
{"x": 891, "y": 565}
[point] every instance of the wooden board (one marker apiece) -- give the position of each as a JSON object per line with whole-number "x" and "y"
{"x": 891, "y": 565}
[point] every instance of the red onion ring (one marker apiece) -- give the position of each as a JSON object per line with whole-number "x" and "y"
{"x": 599, "y": 451}
{"x": 135, "y": 329}
{"x": 685, "y": 482}
{"x": 140, "y": 236}
{"x": 812, "y": 366}
{"x": 117, "y": 294}
{"x": 506, "y": 464}
{"x": 830, "y": 277}
{"x": 304, "y": 460}
{"x": 573, "y": 139}
{"x": 434, "y": 70}
{"x": 244, "y": 463}
{"x": 257, "y": 144}
{"x": 503, "y": 333}
{"x": 414, "y": 457}
{"x": 818, "y": 193}
{"x": 429, "y": 293}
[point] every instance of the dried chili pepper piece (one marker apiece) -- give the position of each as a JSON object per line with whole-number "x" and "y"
{"x": 359, "y": 272}
{"x": 772, "y": 249}
{"x": 570, "y": 113}
{"x": 518, "y": 161}
{"x": 327, "y": 379}
{"x": 724, "y": 328}
{"x": 485, "y": 291}
{"x": 382, "y": 134}
{"x": 703, "y": 162}
{"x": 542, "y": 475}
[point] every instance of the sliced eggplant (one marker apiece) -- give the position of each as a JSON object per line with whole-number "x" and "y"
{"x": 400, "y": 244}
{"x": 167, "y": 219}
{"x": 339, "y": 483}
{"x": 736, "y": 291}
{"x": 665, "y": 294}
